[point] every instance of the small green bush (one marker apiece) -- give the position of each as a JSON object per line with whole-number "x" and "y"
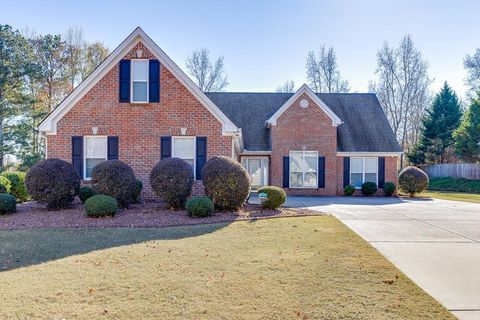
{"x": 17, "y": 179}
{"x": 6, "y": 183}
{"x": 85, "y": 193}
{"x": 199, "y": 207}
{"x": 369, "y": 188}
{"x": 8, "y": 203}
{"x": 349, "y": 190}
{"x": 101, "y": 206}
{"x": 412, "y": 180}
{"x": 275, "y": 197}
{"x": 388, "y": 189}
{"x": 137, "y": 191}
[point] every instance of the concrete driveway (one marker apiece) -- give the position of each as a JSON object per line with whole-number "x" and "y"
{"x": 434, "y": 242}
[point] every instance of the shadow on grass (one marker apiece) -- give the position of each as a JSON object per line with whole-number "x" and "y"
{"x": 20, "y": 248}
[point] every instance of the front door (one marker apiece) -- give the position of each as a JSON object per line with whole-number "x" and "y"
{"x": 257, "y": 168}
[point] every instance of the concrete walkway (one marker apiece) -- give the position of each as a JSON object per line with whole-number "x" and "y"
{"x": 434, "y": 242}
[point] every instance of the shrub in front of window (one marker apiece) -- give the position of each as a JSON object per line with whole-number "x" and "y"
{"x": 388, "y": 189}
{"x": 8, "y": 203}
{"x": 199, "y": 207}
{"x": 172, "y": 180}
{"x": 275, "y": 197}
{"x": 54, "y": 182}
{"x": 6, "y": 184}
{"x": 412, "y": 180}
{"x": 101, "y": 206}
{"x": 349, "y": 190}
{"x": 85, "y": 193}
{"x": 137, "y": 191}
{"x": 18, "y": 189}
{"x": 226, "y": 182}
{"x": 116, "y": 179}
{"x": 369, "y": 188}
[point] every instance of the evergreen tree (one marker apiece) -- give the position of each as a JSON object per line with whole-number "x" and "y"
{"x": 467, "y": 136}
{"x": 441, "y": 120}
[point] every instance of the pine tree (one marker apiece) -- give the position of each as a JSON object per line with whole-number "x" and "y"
{"x": 441, "y": 120}
{"x": 467, "y": 136}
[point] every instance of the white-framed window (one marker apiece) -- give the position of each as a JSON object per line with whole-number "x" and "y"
{"x": 184, "y": 148}
{"x": 303, "y": 169}
{"x": 95, "y": 151}
{"x": 363, "y": 169}
{"x": 139, "y": 76}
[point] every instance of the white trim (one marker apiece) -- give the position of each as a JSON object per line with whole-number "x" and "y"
{"x": 305, "y": 89}
{"x": 363, "y": 170}
{"x": 194, "y": 151}
{"x": 85, "y": 153}
{"x": 132, "y": 81}
{"x": 368, "y": 154}
{"x": 255, "y": 153}
{"x": 303, "y": 170}
{"x": 49, "y": 124}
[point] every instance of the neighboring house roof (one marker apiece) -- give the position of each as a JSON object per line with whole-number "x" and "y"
{"x": 365, "y": 127}
{"x": 49, "y": 124}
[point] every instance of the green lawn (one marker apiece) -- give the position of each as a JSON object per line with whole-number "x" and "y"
{"x": 288, "y": 268}
{"x": 455, "y": 196}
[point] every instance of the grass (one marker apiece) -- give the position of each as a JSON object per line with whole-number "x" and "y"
{"x": 288, "y": 268}
{"x": 454, "y": 185}
{"x": 454, "y": 196}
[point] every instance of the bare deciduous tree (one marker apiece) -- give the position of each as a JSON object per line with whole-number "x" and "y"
{"x": 402, "y": 88}
{"x": 74, "y": 45}
{"x": 322, "y": 71}
{"x": 209, "y": 77}
{"x": 288, "y": 86}
{"x": 471, "y": 64}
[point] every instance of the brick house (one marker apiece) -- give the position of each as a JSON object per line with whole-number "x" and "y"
{"x": 138, "y": 106}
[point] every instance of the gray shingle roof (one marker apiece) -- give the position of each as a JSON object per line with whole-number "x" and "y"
{"x": 364, "y": 128}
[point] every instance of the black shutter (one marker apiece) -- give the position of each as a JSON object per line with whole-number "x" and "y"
{"x": 381, "y": 172}
{"x": 77, "y": 155}
{"x": 154, "y": 81}
{"x": 124, "y": 81}
{"x": 286, "y": 172}
{"x": 165, "y": 147}
{"x": 112, "y": 148}
{"x": 201, "y": 156}
{"x": 346, "y": 171}
{"x": 321, "y": 172}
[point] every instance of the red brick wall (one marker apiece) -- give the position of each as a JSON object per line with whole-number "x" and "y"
{"x": 139, "y": 126}
{"x": 305, "y": 129}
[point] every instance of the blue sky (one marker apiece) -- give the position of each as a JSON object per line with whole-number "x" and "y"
{"x": 266, "y": 42}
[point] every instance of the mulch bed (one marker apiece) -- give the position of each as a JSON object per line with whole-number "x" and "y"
{"x": 147, "y": 214}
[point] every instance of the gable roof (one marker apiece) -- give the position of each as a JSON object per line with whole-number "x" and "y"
{"x": 365, "y": 127}
{"x": 49, "y": 124}
{"x": 304, "y": 89}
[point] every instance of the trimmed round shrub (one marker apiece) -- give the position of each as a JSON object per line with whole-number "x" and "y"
{"x": 7, "y": 185}
{"x": 101, "y": 205}
{"x": 275, "y": 197}
{"x": 369, "y": 188}
{"x": 137, "y": 191}
{"x": 116, "y": 179}
{"x": 388, "y": 189}
{"x": 8, "y": 203}
{"x": 412, "y": 180}
{"x": 349, "y": 190}
{"x": 226, "y": 182}
{"x": 54, "y": 182}
{"x": 85, "y": 193}
{"x": 17, "y": 179}
{"x": 199, "y": 207}
{"x": 172, "y": 180}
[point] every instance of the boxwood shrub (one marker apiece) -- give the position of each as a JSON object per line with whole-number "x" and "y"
{"x": 369, "y": 188}
{"x": 101, "y": 205}
{"x": 412, "y": 180}
{"x": 137, "y": 191}
{"x": 18, "y": 189}
{"x": 275, "y": 197}
{"x": 54, "y": 182}
{"x": 226, "y": 182}
{"x": 6, "y": 184}
{"x": 85, "y": 193}
{"x": 349, "y": 190}
{"x": 8, "y": 203}
{"x": 388, "y": 189}
{"x": 172, "y": 180}
{"x": 116, "y": 179}
{"x": 199, "y": 207}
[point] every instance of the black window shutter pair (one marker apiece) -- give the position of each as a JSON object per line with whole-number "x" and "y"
{"x": 381, "y": 171}
{"x": 201, "y": 152}
{"x": 154, "y": 81}
{"x": 77, "y": 152}
{"x": 320, "y": 172}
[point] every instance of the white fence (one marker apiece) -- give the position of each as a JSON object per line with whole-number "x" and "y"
{"x": 454, "y": 170}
